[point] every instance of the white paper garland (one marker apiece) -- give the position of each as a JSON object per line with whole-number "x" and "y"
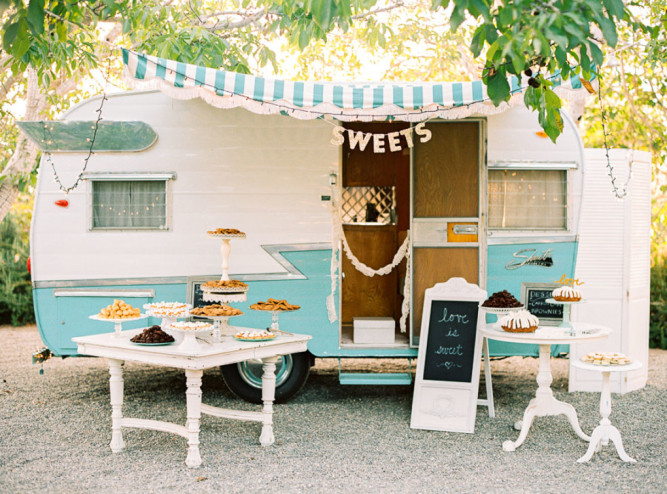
{"x": 338, "y": 238}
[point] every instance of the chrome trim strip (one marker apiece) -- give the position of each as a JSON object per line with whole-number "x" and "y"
{"x": 86, "y": 292}
{"x": 532, "y": 165}
{"x": 539, "y": 239}
{"x": 129, "y": 176}
{"x": 273, "y": 250}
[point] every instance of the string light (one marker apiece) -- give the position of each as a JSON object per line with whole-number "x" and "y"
{"x": 621, "y": 192}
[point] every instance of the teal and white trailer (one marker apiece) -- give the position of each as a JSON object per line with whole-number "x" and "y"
{"x": 431, "y": 181}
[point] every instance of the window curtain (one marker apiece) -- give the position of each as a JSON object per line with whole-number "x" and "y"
{"x": 129, "y": 204}
{"x": 528, "y": 199}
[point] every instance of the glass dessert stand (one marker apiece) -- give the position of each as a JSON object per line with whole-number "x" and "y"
{"x": 225, "y": 250}
{"x": 221, "y": 326}
{"x": 118, "y": 323}
{"x": 566, "y": 312}
{"x": 544, "y": 403}
{"x": 274, "y": 317}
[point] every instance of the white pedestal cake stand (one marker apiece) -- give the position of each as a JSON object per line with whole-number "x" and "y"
{"x": 225, "y": 250}
{"x": 118, "y": 323}
{"x": 566, "y": 312}
{"x": 274, "y": 317}
{"x": 221, "y": 325}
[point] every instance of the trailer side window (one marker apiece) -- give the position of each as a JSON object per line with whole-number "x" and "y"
{"x": 129, "y": 204}
{"x": 527, "y": 199}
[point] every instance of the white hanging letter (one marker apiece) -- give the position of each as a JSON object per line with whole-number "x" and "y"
{"x": 422, "y": 131}
{"x": 407, "y": 133}
{"x": 378, "y": 143}
{"x": 358, "y": 138}
{"x": 394, "y": 141}
{"x": 337, "y": 138}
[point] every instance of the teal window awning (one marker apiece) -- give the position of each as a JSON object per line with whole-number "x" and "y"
{"x": 414, "y": 102}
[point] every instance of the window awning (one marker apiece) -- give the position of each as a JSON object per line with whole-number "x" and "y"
{"x": 411, "y": 102}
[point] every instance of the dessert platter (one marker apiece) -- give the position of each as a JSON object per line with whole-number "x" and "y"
{"x": 118, "y": 312}
{"x": 606, "y": 358}
{"x": 501, "y": 302}
{"x": 168, "y": 311}
{"x": 153, "y": 336}
{"x": 254, "y": 336}
{"x": 190, "y": 331}
{"x": 275, "y": 307}
{"x": 224, "y": 291}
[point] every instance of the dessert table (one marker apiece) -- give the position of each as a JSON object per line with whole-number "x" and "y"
{"x": 605, "y": 431}
{"x": 208, "y": 354}
{"x": 544, "y": 403}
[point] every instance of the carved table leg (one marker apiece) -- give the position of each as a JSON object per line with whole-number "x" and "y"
{"x": 193, "y": 399}
{"x": 544, "y": 403}
{"x": 116, "y": 393}
{"x": 605, "y": 431}
{"x": 268, "y": 395}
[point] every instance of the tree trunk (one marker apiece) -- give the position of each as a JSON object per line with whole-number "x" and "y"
{"x": 21, "y": 162}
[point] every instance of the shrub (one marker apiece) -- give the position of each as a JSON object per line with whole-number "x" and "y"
{"x": 15, "y": 289}
{"x": 657, "y": 332}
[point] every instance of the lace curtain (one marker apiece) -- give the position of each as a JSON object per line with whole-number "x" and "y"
{"x": 129, "y": 204}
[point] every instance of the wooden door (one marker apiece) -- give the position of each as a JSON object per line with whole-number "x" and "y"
{"x": 446, "y": 226}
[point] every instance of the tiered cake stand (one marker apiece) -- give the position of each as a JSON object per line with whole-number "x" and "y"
{"x": 567, "y": 323}
{"x": 231, "y": 294}
{"x": 221, "y": 325}
{"x": 118, "y": 323}
{"x": 189, "y": 342}
{"x": 167, "y": 319}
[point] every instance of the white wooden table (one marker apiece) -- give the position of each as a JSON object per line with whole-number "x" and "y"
{"x": 117, "y": 349}
{"x": 605, "y": 431}
{"x": 544, "y": 403}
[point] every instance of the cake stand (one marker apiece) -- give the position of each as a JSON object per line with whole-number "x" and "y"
{"x": 274, "y": 317}
{"x": 118, "y": 323}
{"x": 225, "y": 250}
{"x": 224, "y": 295}
{"x": 189, "y": 342}
{"x": 566, "y": 312}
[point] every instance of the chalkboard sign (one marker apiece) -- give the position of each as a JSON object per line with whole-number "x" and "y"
{"x": 534, "y": 296}
{"x": 452, "y": 330}
{"x": 450, "y": 351}
{"x": 195, "y": 294}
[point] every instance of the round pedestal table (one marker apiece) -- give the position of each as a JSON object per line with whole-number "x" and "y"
{"x": 544, "y": 403}
{"x": 605, "y": 431}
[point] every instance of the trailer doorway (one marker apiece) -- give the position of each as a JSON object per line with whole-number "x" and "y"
{"x": 447, "y": 210}
{"x": 375, "y": 191}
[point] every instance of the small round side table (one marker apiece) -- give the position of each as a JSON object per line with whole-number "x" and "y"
{"x": 605, "y": 431}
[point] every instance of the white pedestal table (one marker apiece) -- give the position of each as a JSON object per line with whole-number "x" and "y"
{"x": 605, "y": 431}
{"x": 209, "y": 354}
{"x": 544, "y": 403}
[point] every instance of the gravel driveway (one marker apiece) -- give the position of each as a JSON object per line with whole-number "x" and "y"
{"x": 56, "y": 429}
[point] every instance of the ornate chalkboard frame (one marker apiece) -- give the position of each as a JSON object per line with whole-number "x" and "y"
{"x": 527, "y": 288}
{"x": 440, "y": 403}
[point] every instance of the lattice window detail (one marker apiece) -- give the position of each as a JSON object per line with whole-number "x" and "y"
{"x": 369, "y": 205}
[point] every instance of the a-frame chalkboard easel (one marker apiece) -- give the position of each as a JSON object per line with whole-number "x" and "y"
{"x": 450, "y": 349}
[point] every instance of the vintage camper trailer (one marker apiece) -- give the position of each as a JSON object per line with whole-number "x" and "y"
{"x": 485, "y": 198}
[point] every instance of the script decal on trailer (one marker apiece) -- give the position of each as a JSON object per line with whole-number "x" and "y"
{"x": 530, "y": 257}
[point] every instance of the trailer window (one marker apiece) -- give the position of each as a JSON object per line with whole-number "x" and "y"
{"x": 528, "y": 199}
{"x": 129, "y": 204}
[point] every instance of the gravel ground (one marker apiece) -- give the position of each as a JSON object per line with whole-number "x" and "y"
{"x": 56, "y": 429}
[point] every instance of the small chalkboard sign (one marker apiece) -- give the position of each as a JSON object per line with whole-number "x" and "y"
{"x": 450, "y": 350}
{"x": 195, "y": 294}
{"x": 534, "y": 296}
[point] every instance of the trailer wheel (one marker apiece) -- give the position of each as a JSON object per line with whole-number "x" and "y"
{"x": 245, "y": 378}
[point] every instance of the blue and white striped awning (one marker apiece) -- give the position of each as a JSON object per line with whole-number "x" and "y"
{"x": 412, "y": 102}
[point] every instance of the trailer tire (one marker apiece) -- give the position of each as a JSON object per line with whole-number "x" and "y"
{"x": 245, "y": 378}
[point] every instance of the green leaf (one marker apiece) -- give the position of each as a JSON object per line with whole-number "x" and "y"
{"x": 10, "y": 35}
{"x": 22, "y": 42}
{"x": 481, "y": 7}
{"x": 596, "y": 53}
{"x": 608, "y": 30}
{"x": 321, "y": 11}
{"x": 615, "y": 8}
{"x": 36, "y": 16}
{"x": 498, "y": 88}
{"x": 457, "y": 18}
{"x": 552, "y": 100}
{"x": 478, "y": 41}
